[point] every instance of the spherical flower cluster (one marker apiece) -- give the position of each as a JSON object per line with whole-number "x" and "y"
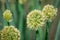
{"x": 35, "y": 19}
{"x": 22, "y": 1}
{"x": 10, "y": 33}
{"x": 50, "y": 11}
{"x": 7, "y": 15}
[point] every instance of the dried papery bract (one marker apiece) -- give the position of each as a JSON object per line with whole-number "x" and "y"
{"x": 35, "y": 19}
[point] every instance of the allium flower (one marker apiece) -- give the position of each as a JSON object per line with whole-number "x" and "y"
{"x": 50, "y": 11}
{"x": 22, "y": 1}
{"x": 10, "y": 33}
{"x": 35, "y": 19}
{"x": 7, "y": 15}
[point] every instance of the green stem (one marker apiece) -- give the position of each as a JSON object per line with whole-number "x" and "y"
{"x": 37, "y": 4}
{"x": 57, "y": 37}
{"x": 22, "y": 20}
{"x": 48, "y": 28}
{"x": 11, "y": 38}
{"x": 40, "y": 34}
{"x": 8, "y": 23}
{"x": 18, "y": 13}
{"x": 46, "y": 35}
{"x": 1, "y": 19}
{"x": 7, "y": 5}
{"x": 33, "y": 36}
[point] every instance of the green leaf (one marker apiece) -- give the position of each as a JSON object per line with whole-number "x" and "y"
{"x": 57, "y": 37}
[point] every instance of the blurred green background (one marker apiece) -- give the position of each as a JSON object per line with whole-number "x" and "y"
{"x": 20, "y": 12}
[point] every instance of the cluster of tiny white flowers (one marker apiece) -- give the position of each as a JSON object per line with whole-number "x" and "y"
{"x": 10, "y": 33}
{"x": 35, "y": 19}
{"x": 49, "y": 11}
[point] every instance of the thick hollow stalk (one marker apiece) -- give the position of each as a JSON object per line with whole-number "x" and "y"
{"x": 33, "y": 35}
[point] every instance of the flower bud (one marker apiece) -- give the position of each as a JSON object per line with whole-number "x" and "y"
{"x": 7, "y": 15}
{"x": 22, "y": 1}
